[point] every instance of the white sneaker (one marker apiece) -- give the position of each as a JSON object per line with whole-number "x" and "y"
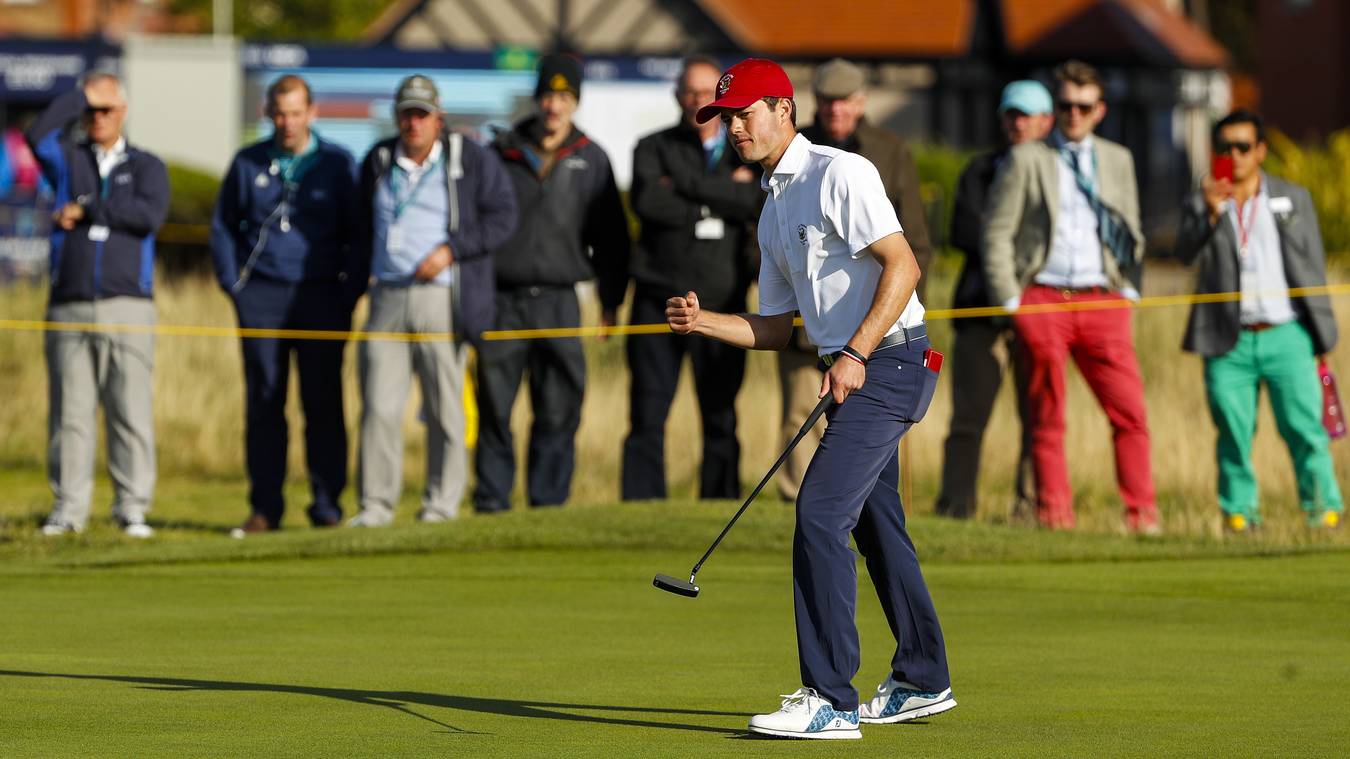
{"x": 898, "y": 701}
{"x": 805, "y": 714}
{"x": 52, "y": 529}
{"x": 367, "y": 519}
{"x": 137, "y": 528}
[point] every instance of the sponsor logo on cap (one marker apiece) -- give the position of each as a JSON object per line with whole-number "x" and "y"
{"x": 723, "y": 85}
{"x": 558, "y": 83}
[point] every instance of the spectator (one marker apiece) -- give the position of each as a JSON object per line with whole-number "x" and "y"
{"x": 111, "y": 197}
{"x": 281, "y": 240}
{"x": 696, "y": 201}
{"x": 984, "y": 345}
{"x": 1258, "y": 234}
{"x": 841, "y": 99}
{"x": 565, "y": 182}
{"x": 1063, "y": 229}
{"x": 435, "y": 206}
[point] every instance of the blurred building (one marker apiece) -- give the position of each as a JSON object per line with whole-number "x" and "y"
{"x": 1303, "y": 65}
{"x": 936, "y": 66}
{"x": 73, "y": 19}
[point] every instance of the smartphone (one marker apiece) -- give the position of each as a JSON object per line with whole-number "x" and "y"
{"x": 1222, "y": 167}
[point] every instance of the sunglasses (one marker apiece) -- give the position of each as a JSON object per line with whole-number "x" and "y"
{"x": 1064, "y": 106}
{"x": 1224, "y": 148}
{"x": 101, "y": 111}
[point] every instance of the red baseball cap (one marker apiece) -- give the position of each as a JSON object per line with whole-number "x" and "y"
{"x": 743, "y": 84}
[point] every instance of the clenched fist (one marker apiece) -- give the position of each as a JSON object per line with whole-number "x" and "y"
{"x": 682, "y": 313}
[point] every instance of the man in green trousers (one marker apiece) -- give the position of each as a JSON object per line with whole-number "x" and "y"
{"x": 1258, "y": 234}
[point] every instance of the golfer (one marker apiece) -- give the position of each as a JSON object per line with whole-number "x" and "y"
{"x": 831, "y": 248}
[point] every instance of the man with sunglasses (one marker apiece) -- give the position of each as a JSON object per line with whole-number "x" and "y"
{"x": 111, "y": 197}
{"x": 1063, "y": 234}
{"x": 1258, "y": 235}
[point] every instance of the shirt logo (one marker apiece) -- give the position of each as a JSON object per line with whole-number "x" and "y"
{"x": 122, "y": 179}
{"x": 575, "y": 162}
{"x": 723, "y": 85}
{"x": 801, "y": 233}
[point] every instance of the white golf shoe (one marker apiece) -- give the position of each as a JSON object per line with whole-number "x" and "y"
{"x": 897, "y": 701}
{"x": 805, "y": 714}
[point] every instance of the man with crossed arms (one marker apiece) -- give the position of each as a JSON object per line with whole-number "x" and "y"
{"x": 831, "y": 246}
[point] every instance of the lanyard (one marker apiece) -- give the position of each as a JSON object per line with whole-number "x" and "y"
{"x": 1245, "y": 227}
{"x": 714, "y": 156}
{"x": 401, "y": 204}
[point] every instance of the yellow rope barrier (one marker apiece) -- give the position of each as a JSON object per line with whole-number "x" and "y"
{"x": 937, "y": 314}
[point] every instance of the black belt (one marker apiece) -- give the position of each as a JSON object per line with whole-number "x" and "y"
{"x": 901, "y": 336}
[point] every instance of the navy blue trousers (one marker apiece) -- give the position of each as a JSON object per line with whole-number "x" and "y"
{"x": 269, "y": 304}
{"x": 852, "y": 486}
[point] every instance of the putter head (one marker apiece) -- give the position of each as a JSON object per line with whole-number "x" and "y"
{"x": 674, "y": 585}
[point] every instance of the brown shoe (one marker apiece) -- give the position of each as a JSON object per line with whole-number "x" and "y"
{"x": 255, "y": 523}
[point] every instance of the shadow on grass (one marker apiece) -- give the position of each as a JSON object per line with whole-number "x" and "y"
{"x": 401, "y": 701}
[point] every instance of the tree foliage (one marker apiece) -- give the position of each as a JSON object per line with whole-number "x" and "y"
{"x": 302, "y": 20}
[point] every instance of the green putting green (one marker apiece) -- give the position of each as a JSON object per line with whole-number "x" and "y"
{"x": 537, "y": 643}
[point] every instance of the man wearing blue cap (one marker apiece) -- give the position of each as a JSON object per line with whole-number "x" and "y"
{"x": 984, "y": 346}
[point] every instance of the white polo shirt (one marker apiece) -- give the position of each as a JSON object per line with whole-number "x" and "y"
{"x": 825, "y": 206}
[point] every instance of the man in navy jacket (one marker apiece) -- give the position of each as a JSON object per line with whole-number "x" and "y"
{"x": 433, "y": 206}
{"x": 281, "y": 240}
{"x": 110, "y": 199}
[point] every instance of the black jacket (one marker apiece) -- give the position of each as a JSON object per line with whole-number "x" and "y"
{"x": 575, "y": 205}
{"x": 672, "y": 185}
{"x": 483, "y": 214}
{"x": 972, "y": 196}
{"x": 131, "y": 205}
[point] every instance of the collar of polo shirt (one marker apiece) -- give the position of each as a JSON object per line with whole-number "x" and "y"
{"x": 792, "y": 161}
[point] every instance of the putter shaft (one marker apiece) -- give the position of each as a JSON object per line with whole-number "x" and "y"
{"x": 801, "y": 433}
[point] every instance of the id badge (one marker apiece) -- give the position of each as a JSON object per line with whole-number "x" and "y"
{"x": 98, "y": 233}
{"x": 393, "y": 239}
{"x": 711, "y": 228}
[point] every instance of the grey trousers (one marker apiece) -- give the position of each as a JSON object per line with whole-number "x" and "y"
{"x": 386, "y": 368}
{"x": 117, "y": 370}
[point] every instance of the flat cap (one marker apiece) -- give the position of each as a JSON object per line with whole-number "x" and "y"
{"x": 837, "y": 79}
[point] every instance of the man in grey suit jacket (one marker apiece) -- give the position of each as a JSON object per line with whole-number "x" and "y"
{"x": 1063, "y": 229}
{"x": 1258, "y": 235}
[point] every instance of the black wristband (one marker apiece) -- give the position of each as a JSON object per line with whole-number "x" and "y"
{"x": 854, "y": 354}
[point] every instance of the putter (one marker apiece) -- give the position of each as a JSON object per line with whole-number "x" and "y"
{"x": 689, "y": 589}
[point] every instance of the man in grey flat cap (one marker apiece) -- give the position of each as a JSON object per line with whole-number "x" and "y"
{"x": 841, "y": 98}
